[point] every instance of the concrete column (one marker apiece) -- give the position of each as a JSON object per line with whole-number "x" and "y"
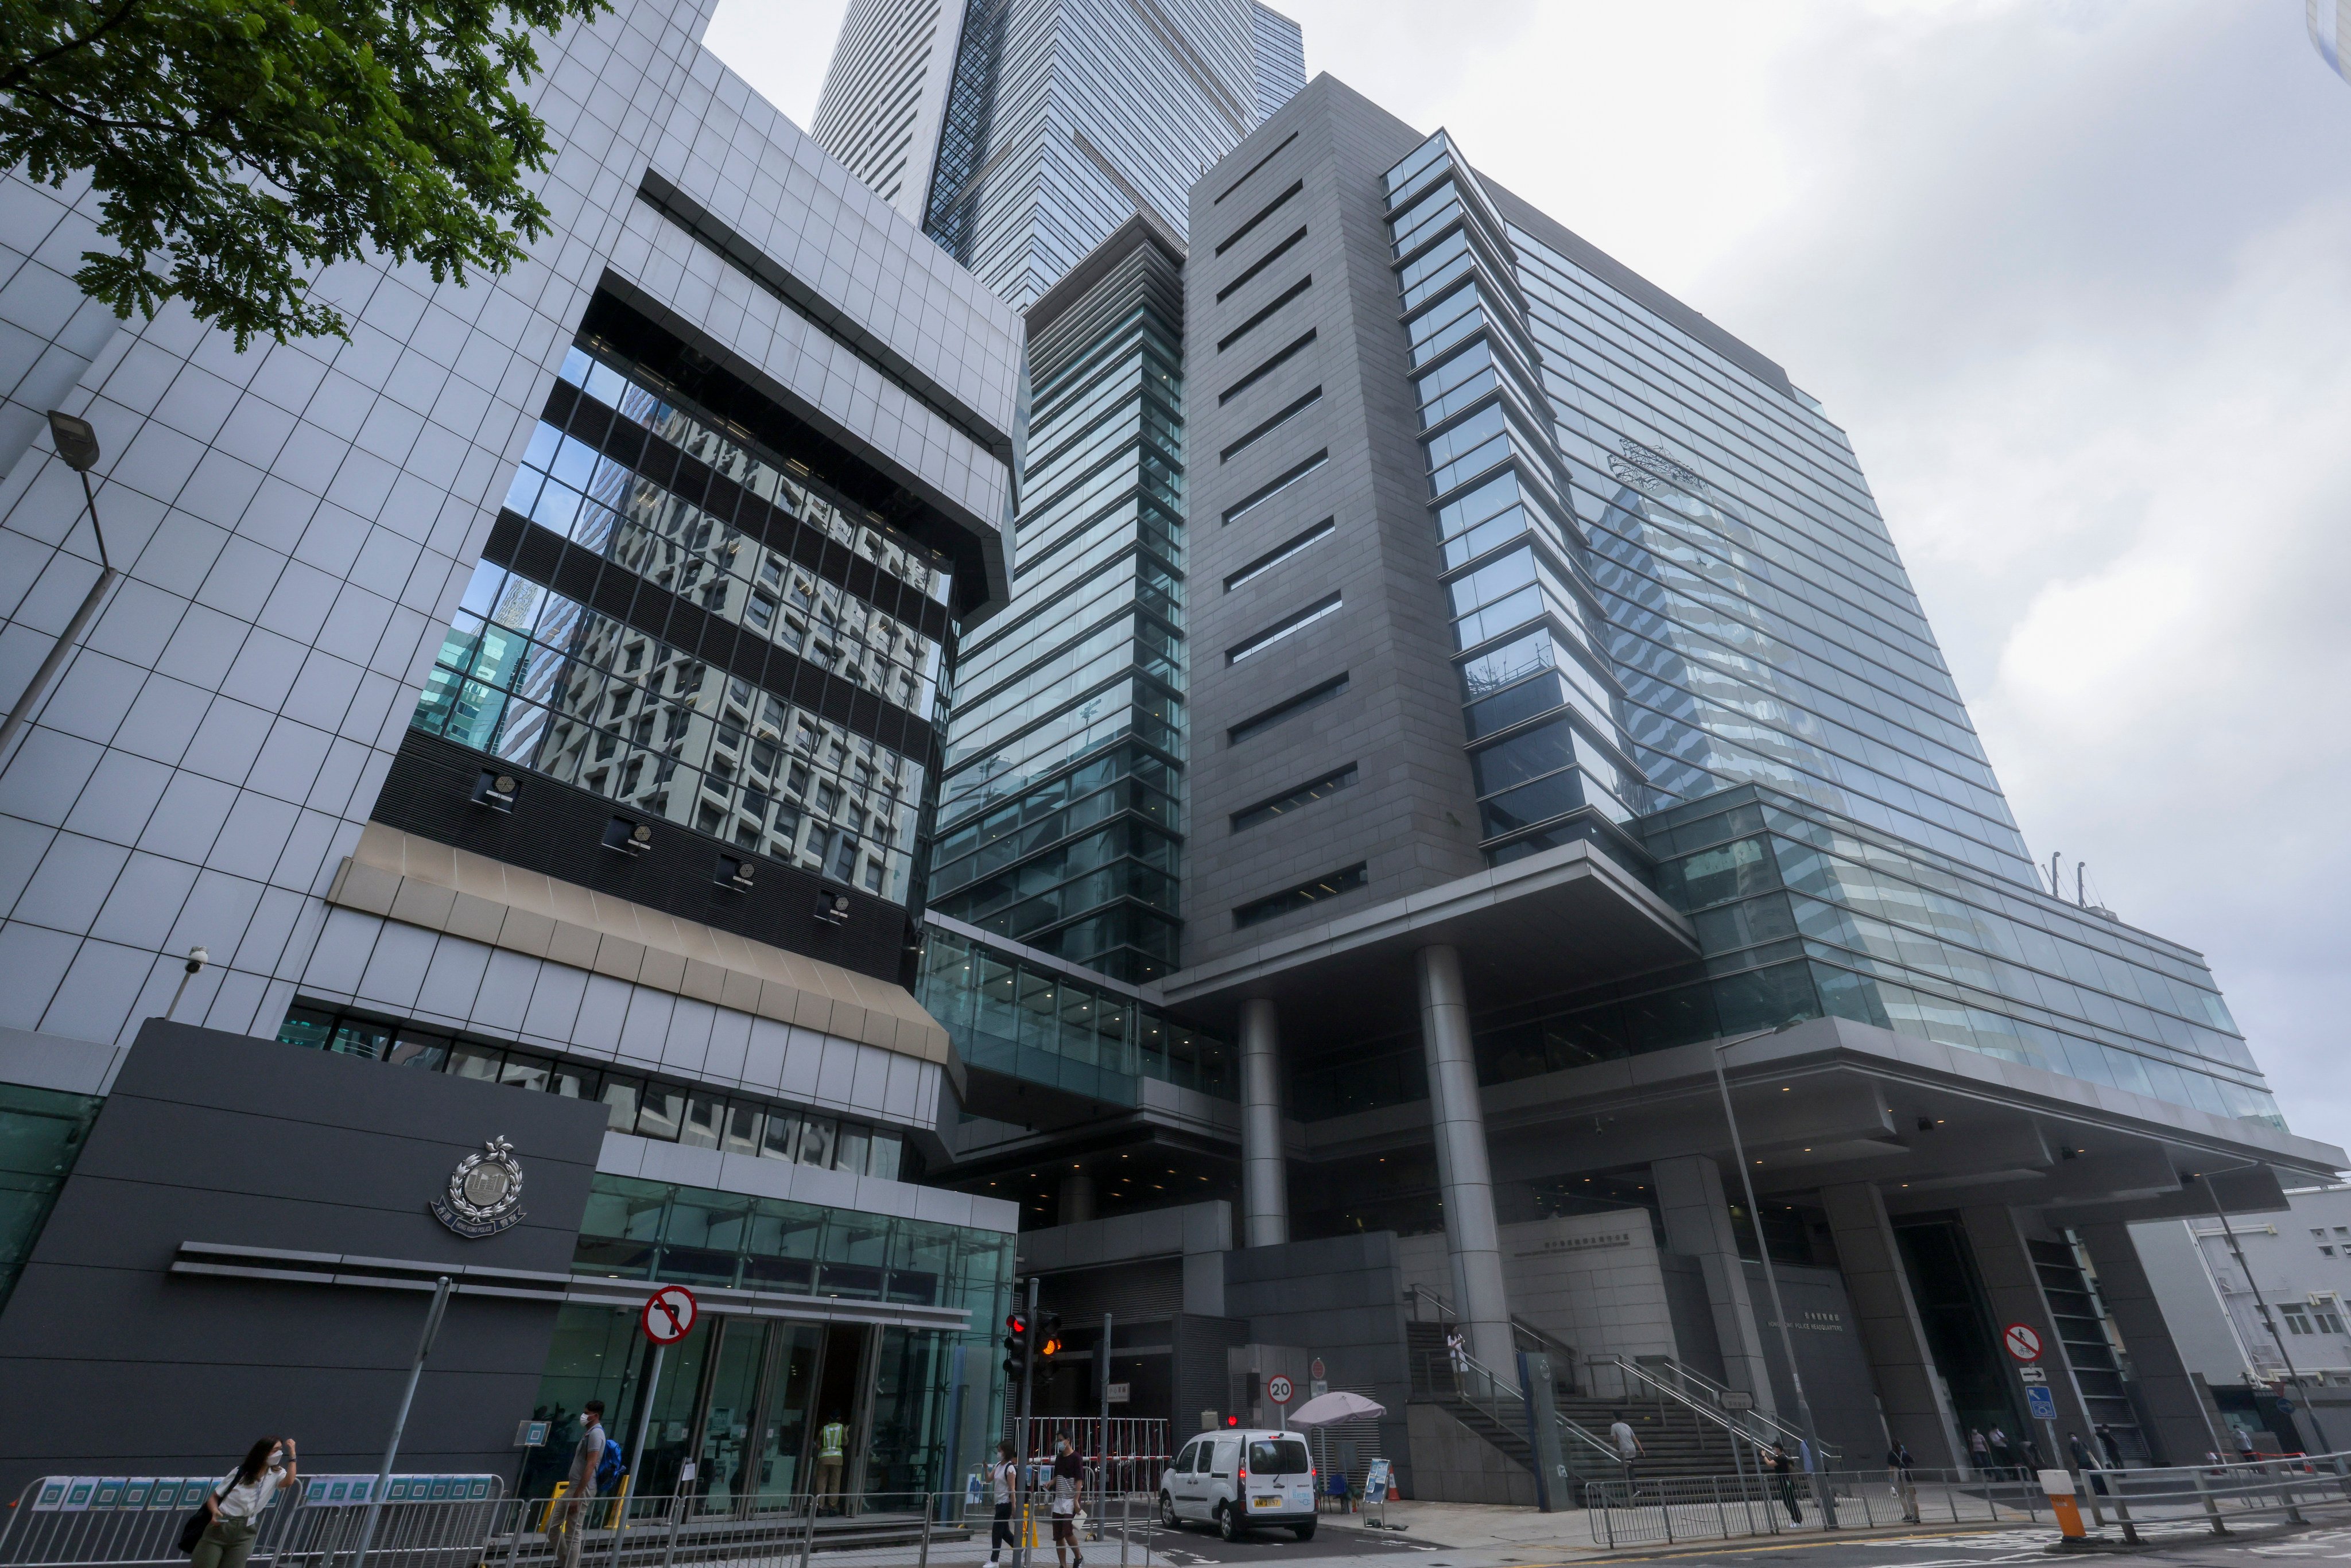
{"x": 1698, "y": 1225}
{"x": 2014, "y": 1286}
{"x": 1264, "y": 1178}
{"x": 1892, "y": 1337}
{"x": 1464, "y": 1176}
{"x": 2182, "y": 1435}
{"x": 1077, "y": 1199}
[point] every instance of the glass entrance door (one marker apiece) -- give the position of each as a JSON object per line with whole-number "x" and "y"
{"x": 726, "y": 1460}
{"x": 780, "y": 1469}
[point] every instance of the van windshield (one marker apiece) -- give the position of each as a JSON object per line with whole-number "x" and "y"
{"x": 1277, "y": 1457}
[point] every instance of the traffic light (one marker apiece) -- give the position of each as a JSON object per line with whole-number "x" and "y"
{"x": 1016, "y": 1346}
{"x": 1049, "y": 1344}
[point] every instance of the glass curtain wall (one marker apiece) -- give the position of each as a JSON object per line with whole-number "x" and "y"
{"x": 1757, "y": 612}
{"x": 1067, "y": 117}
{"x": 743, "y": 1396}
{"x": 1056, "y": 813}
{"x": 676, "y": 608}
{"x": 1031, "y": 1022}
{"x": 41, "y": 1136}
{"x": 1802, "y": 914}
{"x": 1539, "y": 699}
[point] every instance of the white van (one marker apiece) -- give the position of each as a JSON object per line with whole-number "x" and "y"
{"x": 1238, "y": 1480}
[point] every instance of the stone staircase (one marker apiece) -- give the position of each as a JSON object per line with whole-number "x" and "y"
{"x": 1678, "y": 1441}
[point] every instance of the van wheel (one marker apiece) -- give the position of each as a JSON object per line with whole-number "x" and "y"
{"x": 1167, "y": 1512}
{"x": 1228, "y": 1523}
{"x": 1303, "y": 1531}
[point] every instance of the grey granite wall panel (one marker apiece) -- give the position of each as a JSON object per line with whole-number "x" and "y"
{"x": 215, "y": 1137}
{"x": 1410, "y": 816}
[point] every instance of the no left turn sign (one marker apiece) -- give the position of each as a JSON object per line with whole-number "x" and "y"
{"x": 1279, "y": 1390}
{"x": 2021, "y": 1341}
{"x": 669, "y": 1315}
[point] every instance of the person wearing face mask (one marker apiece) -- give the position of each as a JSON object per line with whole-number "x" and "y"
{"x": 237, "y": 1499}
{"x": 1068, "y": 1474}
{"x": 572, "y": 1513}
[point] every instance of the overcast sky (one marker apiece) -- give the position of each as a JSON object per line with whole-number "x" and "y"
{"x": 2076, "y": 275}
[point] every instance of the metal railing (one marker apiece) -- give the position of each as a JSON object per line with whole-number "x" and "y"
{"x": 1524, "y": 1336}
{"x": 1126, "y": 1454}
{"x": 61, "y": 1521}
{"x": 1468, "y": 1378}
{"x": 2162, "y": 1502}
{"x": 881, "y": 1529}
{"x": 1697, "y": 1508}
{"x": 1706, "y": 1402}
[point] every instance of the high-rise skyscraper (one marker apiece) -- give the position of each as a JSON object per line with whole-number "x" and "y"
{"x": 529, "y": 705}
{"x": 2330, "y": 31}
{"x": 1022, "y": 132}
{"x": 1554, "y": 715}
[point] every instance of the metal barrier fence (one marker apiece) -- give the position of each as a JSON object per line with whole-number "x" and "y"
{"x": 2173, "y": 1500}
{"x": 896, "y": 1530}
{"x": 1127, "y": 1453}
{"x": 59, "y": 1522}
{"x": 1695, "y": 1508}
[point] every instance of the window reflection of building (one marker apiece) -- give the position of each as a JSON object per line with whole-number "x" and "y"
{"x": 544, "y": 683}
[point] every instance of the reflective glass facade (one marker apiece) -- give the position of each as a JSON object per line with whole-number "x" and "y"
{"x": 1067, "y": 117}
{"x": 666, "y": 1110}
{"x": 1758, "y": 618}
{"x": 722, "y": 612}
{"x": 1536, "y": 695}
{"x": 1058, "y": 808}
{"x": 743, "y": 1396}
{"x": 1801, "y": 913}
{"x": 1035, "y": 1022}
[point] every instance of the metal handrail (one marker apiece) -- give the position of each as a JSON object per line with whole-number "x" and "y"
{"x": 1560, "y": 1350}
{"x": 1780, "y": 1430}
{"x": 1461, "y": 1361}
{"x": 1711, "y": 1410}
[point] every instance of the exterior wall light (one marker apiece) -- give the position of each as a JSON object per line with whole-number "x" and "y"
{"x": 832, "y": 909}
{"x": 627, "y": 837}
{"x": 496, "y": 791}
{"x": 736, "y": 871}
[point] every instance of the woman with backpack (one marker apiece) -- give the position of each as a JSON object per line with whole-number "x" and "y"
{"x": 237, "y": 1500}
{"x": 1004, "y": 1486}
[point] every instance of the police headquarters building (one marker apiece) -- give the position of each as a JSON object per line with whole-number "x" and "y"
{"x": 532, "y": 707}
{"x": 1427, "y": 690}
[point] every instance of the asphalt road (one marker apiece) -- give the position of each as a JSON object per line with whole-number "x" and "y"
{"x": 2329, "y": 1546}
{"x": 2005, "y": 1548}
{"x": 1198, "y": 1546}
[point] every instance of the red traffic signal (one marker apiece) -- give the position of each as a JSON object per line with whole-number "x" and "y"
{"x": 1017, "y": 1324}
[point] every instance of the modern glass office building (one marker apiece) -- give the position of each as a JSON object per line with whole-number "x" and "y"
{"x": 1057, "y": 818}
{"x": 528, "y": 719}
{"x": 1062, "y": 118}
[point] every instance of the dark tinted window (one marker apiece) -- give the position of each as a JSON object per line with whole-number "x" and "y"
{"x": 1280, "y": 1457}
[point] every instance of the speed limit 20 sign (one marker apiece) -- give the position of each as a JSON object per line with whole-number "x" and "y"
{"x": 669, "y": 1315}
{"x": 1278, "y": 1389}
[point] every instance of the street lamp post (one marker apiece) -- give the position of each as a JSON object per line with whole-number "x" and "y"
{"x": 76, "y": 444}
{"x": 2268, "y": 1320}
{"x": 1822, "y": 1495}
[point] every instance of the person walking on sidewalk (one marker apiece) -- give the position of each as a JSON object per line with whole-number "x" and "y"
{"x": 1069, "y": 1480}
{"x": 1979, "y": 1452}
{"x": 1905, "y": 1488}
{"x": 237, "y": 1500}
{"x": 579, "y": 1487}
{"x": 1004, "y": 1487}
